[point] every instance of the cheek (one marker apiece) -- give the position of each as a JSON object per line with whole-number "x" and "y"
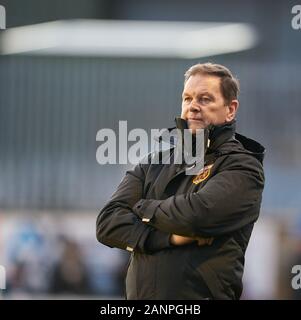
{"x": 216, "y": 111}
{"x": 211, "y": 114}
{"x": 216, "y": 115}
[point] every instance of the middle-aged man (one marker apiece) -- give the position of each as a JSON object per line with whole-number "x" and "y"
{"x": 188, "y": 234}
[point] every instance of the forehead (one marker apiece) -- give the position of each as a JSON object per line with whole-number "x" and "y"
{"x": 200, "y": 83}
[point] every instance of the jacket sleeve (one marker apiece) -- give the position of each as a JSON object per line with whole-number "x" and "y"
{"x": 117, "y": 225}
{"x": 230, "y": 200}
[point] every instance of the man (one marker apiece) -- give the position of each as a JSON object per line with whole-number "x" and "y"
{"x": 188, "y": 234}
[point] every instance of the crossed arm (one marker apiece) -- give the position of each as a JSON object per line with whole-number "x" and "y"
{"x": 222, "y": 206}
{"x": 118, "y": 226}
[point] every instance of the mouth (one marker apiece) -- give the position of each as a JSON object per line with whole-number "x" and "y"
{"x": 194, "y": 119}
{"x": 195, "y": 123}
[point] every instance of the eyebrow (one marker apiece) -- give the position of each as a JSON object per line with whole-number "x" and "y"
{"x": 200, "y": 94}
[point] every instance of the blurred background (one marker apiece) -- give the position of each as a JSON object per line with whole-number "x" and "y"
{"x": 69, "y": 68}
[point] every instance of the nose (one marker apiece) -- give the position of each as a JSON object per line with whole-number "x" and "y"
{"x": 194, "y": 107}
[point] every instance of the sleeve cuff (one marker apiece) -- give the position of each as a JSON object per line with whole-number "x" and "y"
{"x": 146, "y": 209}
{"x": 157, "y": 240}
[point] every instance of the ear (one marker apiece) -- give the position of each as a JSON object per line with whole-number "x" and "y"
{"x": 232, "y": 109}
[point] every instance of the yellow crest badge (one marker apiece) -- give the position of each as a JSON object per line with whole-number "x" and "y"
{"x": 203, "y": 174}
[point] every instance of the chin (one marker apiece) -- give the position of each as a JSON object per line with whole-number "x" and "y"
{"x": 193, "y": 127}
{"x": 193, "y": 130}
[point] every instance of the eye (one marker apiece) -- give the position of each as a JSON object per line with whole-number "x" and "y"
{"x": 187, "y": 99}
{"x": 205, "y": 100}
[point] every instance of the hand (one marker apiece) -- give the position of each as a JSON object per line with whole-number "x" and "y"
{"x": 179, "y": 240}
{"x": 203, "y": 241}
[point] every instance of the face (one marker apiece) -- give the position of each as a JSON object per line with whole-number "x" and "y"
{"x": 203, "y": 103}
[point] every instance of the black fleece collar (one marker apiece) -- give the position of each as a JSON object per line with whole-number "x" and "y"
{"x": 214, "y": 135}
{"x": 220, "y": 134}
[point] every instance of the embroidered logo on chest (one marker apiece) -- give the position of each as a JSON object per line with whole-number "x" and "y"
{"x": 203, "y": 174}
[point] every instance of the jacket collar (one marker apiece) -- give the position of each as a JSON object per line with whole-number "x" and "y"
{"x": 220, "y": 134}
{"x": 215, "y": 136}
